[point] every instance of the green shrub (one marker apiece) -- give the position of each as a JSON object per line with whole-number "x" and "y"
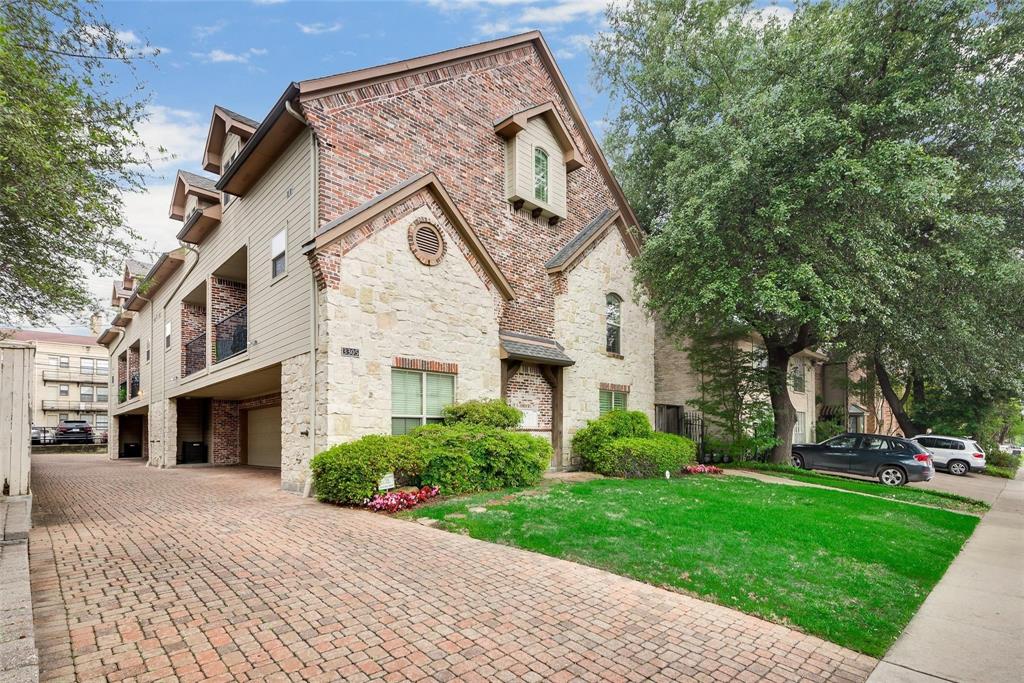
{"x": 471, "y": 457}
{"x": 350, "y": 472}
{"x": 642, "y": 457}
{"x": 492, "y": 413}
{"x": 588, "y": 441}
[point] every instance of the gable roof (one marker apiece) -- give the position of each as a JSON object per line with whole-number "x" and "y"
{"x": 186, "y": 183}
{"x": 279, "y": 135}
{"x": 352, "y": 219}
{"x": 136, "y": 268}
{"x": 527, "y": 347}
{"x": 594, "y": 231}
{"x": 222, "y": 122}
{"x": 512, "y": 124}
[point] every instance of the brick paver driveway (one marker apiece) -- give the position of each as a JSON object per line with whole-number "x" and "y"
{"x": 142, "y": 574}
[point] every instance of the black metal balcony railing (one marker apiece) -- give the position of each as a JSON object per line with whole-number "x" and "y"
{"x": 133, "y": 385}
{"x": 231, "y": 335}
{"x": 195, "y": 355}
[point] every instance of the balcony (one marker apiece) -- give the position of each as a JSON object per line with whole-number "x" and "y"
{"x": 195, "y": 355}
{"x": 133, "y": 385}
{"x": 66, "y": 376}
{"x": 231, "y": 335}
{"x": 75, "y": 406}
{"x": 122, "y": 392}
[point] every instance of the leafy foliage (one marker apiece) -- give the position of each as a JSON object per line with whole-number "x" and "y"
{"x": 68, "y": 150}
{"x": 350, "y": 472}
{"x": 588, "y": 441}
{"x": 635, "y": 457}
{"x": 804, "y": 180}
{"x": 492, "y": 413}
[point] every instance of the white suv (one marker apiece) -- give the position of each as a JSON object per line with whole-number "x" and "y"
{"x": 953, "y": 454}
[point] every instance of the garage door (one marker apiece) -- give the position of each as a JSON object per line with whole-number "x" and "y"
{"x": 264, "y": 438}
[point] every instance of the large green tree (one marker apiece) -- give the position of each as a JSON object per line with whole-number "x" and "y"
{"x": 786, "y": 171}
{"x": 69, "y": 148}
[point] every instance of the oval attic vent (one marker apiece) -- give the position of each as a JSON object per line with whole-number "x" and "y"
{"x": 426, "y": 243}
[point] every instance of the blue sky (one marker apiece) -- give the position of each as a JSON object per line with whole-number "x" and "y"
{"x": 243, "y": 53}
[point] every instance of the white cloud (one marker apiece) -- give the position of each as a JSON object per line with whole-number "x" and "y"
{"x": 180, "y": 132}
{"x": 563, "y": 12}
{"x": 138, "y": 46}
{"x": 573, "y": 45}
{"x": 203, "y": 32}
{"x": 319, "y": 27}
{"x": 499, "y": 28}
{"x": 218, "y": 56}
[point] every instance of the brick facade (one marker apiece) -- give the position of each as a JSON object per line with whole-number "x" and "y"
{"x": 134, "y": 374}
{"x": 442, "y": 120}
{"x": 529, "y": 391}
{"x": 227, "y": 298}
{"x": 122, "y": 375}
{"x": 225, "y": 432}
{"x": 193, "y": 325}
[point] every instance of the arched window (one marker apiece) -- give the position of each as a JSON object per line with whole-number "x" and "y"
{"x": 613, "y": 323}
{"x": 540, "y": 174}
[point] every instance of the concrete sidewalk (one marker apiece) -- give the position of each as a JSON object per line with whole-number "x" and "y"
{"x": 971, "y": 627}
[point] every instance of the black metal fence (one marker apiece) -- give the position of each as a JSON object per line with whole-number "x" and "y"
{"x": 231, "y": 335}
{"x": 195, "y": 355}
{"x": 133, "y": 385}
{"x": 677, "y": 420}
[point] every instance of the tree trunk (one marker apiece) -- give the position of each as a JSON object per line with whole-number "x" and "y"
{"x": 907, "y": 426}
{"x": 782, "y": 406}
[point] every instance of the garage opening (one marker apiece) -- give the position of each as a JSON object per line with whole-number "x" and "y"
{"x": 263, "y": 437}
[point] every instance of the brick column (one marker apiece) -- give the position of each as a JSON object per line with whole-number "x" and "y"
{"x": 225, "y": 433}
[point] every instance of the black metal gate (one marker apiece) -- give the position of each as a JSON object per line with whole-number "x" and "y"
{"x": 677, "y": 420}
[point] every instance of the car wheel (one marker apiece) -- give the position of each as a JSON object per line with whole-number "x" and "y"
{"x": 797, "y": 460}
{"x": 892, "y": 476}
{"x": 958, "y": 467}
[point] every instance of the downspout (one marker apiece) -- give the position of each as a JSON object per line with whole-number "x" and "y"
{"x": 163, "y": 366}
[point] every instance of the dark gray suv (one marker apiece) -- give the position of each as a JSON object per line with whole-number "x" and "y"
{"x": 892, "y": 460}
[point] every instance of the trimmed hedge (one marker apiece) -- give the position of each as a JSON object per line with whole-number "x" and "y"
{"x": 588, "y": 441}
{"x": 458, "y": 458}
{"x": 635, "y": 457}
{"x": 492, "y": 413}
{"x": 350, "y": 472}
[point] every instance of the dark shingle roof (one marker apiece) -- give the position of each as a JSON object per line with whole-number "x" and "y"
{"x": 199, "y": 180}
{"x": 582, "y": 237}
{"x": 137, "y": 268}
{"x": 536, "y": 349}
{"x": 239, "y": 117}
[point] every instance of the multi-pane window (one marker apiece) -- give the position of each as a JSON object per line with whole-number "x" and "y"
{"x": 102, "y": 367}
{"x": 102, "y": 422}
{"x": 277, "y": 253}
{"x": 63, "y": 389}
{"x": 86, "y": 393}
{"x": 418, "y": 397}
{"x": 800, "y": 428}
{"x": 167, "y": 336}
{"x": 102, "y": 395}
{"x": 54, "y": 361}
{"x": 540, "y": 174}
{"x": 65, "y": 362}
{"x": 86, "y": 365}
{"x": 612, "y": 400}
{"x": 613, "y": 323}
{"x": 797, "y": 378}
{"x": 62, "y": 416}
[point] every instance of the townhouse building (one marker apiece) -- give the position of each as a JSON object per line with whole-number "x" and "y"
{"x": 385, "y": 242}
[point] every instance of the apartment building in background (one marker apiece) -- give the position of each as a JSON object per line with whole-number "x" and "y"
{"x": 71, "y": 378}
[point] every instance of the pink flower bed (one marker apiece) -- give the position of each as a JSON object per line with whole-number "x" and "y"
{"x": 401, "y": 500}
{"x": 701, "y": 469}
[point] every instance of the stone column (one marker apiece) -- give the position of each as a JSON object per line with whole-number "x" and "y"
{"x": 296, "y": 423}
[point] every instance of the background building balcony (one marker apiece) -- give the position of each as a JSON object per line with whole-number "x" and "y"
{"x": 75, "y": 406}
{"x": 74, "y": 376}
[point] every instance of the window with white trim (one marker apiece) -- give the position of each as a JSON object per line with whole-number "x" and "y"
{"x": 102, "y": 394}
{"x": 612, "y": 400}
{"x": 65, "y": 362}
{"x": 102, "y": 422}
{"x": 86, "y": 365}
{"x": 540, "y": 174}
{"x": 613, "y": 323}
{"x": 167, "y": 336}
{"x": 63, "y": 389}
{"x": 86, "y": 393}
{"x": 278, "y": 247}
{"x": 102, "y": 366}
{"x": 417, "y": 398}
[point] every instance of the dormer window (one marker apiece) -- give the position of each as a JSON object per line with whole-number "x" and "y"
{"x": 540, "y": 174}
{"x": 539, "y": 153}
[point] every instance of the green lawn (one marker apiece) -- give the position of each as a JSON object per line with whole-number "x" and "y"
{"x": 850, "y": 569}
{"x": 940, "y": 499}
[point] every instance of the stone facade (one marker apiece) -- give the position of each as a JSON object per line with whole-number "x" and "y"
{"x": 296, "y": 422}
{"x": 387, "y": 304}
{"x": 580, "y": 327}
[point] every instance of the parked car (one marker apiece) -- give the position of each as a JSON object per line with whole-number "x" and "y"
{"x": 953, "y": 454}
{"x": 894, "y": 461}
{"x": 42, "y": 435}
{"x": 74, "y": 431}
